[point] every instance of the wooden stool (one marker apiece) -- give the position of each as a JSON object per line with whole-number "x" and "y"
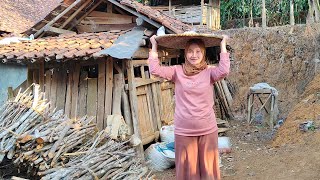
{"x": 257, "y": 92}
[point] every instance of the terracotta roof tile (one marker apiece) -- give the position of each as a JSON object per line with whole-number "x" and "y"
{"x": 170, "y": 22}
{"x": 82, "y": 45}
{"x": 19, "y": 16}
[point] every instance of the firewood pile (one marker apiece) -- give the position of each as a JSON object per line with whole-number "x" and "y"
{"x": 50, "y": 144}
{"x": 101, "y": 158}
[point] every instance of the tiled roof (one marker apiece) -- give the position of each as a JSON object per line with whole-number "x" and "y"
{"x": 170, "y": 22}
{"x": 58, "y": 48}
{"x": 18, "y": 16}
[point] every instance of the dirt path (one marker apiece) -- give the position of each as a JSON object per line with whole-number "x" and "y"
{"x": 253, "y": 157}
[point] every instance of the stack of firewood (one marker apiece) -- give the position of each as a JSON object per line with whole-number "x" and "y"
{"x": 18, "y": 116}
{"x": 101, "y": 158}
{"x": 53, "y": 145}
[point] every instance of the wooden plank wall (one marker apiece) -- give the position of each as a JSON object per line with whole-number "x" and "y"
{"x": 68, "y": 87}
{"x": 150, "y": 97}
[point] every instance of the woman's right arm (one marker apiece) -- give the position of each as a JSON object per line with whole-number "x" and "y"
{"x": 166, "y": 72}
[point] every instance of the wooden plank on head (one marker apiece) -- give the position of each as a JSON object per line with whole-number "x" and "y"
{"x": 92, "y": 97}
{"x": 67, "y": 109}
{"x": 62, "y": 88}
{"x": 83, "y": 90}
{"x": 109, "y": 87}
{"x": 101, "y": 93}
{"x": 75, "y": 90}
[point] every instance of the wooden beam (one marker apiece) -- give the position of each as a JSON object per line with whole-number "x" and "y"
{"x": 101, "y": 94}
{"x": 152, "y": 22}
{"x": 86, "y": 14}
{"x": 109, "y": 7}
{"x": 104, "y": 27}
{"x": 41, "y": 74}
{"x": 117, "y": 91}
{"x": 56, "y": 18}
{"x": 58, "y": 30}
{"x": 121, "y": 19}
{"x": 62, "y": 88}
{"x": 75, "y": 90}
{"x": 75, "y": 13}
{"x": 92, "y": 97}
{"x": 109, "y": 87}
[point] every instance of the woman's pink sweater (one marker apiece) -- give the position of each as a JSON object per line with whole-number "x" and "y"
{"x": 194, "y": 114}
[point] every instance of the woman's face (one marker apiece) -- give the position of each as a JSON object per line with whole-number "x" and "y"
{"x": 194, "y": 54}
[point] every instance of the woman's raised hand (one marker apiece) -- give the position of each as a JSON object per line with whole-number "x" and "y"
{"x": 223, "y": 43}
{"x": 154, "y": 43}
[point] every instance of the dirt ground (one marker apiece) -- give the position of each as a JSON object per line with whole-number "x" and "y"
{"x": 284, "y": 153}
{"x": 254, "y": 157}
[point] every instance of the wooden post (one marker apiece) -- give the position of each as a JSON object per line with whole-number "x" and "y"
{"x": 291, "y": 12}
{"x": 134, "y": 106}
{"x": 83, "y": 90}
{"x": 108, "y": 88}
{"x": 10, "y": 93}
{"x": 92, "y": 98}
{"x": 126, "y": 110}
{"x": 61, "y": 89}
{"x": 249, "y": 108}
{"x": 272, "y": 110}
{"x": 109, "y": 7}
{"x": 264, "y": 14}
{"x": 41, "y": 74}
{"x": 67, "y": 108}
{"x": 101, "y": 93}
{"x": 75, "y": 90}
{"x": 29, "y": 77}
{"x": 117, "y": 91}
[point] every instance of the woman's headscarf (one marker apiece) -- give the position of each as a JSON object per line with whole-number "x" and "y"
{"x": 193, "y": 69}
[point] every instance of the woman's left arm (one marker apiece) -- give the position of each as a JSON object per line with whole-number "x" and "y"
{"x": 223, "y": 69}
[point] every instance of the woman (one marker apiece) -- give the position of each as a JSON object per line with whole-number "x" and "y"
{"x": 195, "y": 126}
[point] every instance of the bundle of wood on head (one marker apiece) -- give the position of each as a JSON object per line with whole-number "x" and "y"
{"x": 48, "y": 142}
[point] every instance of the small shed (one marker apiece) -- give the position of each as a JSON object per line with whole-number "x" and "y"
{"x": 103, "y": 71}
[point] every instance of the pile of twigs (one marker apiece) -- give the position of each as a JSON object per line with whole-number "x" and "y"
{"x": 44, "y": 145}
{"x": 102, "y": 158}
{"x": 54, "y": 146}
{"x": 18, "y": 116}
